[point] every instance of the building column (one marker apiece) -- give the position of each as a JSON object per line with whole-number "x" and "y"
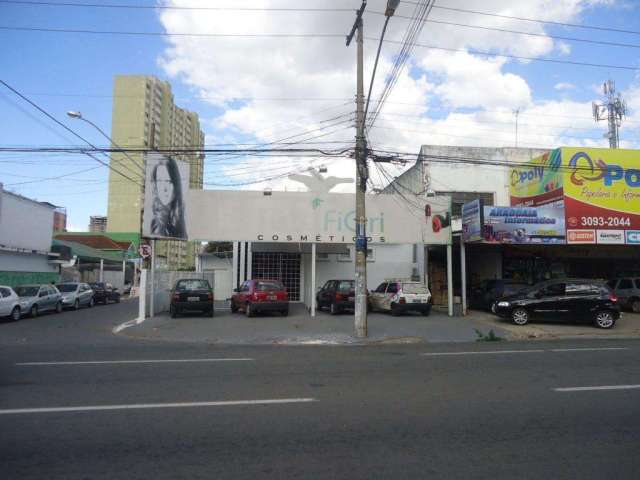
{"x": 450, "y": 279}
{"x": 463, "y": 275}
{"x": 313, "y": 280}
{"x": 101, "y": 269}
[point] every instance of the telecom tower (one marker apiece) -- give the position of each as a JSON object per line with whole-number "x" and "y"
{"x": 612, "y": 109}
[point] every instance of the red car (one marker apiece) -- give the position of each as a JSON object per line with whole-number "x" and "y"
{"x": 255, "y": 296}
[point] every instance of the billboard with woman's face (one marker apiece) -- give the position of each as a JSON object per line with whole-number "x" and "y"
{"x": 166, "y": 185}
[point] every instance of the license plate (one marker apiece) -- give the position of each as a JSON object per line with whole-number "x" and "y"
{"x": 193, "y": 299}
{"x": 272, "y": 297}
{"x": 416, "y": 300}
{"x": 352, "y": 299}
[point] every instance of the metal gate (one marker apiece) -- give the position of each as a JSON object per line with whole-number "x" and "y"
{"x": 279, "y": 266}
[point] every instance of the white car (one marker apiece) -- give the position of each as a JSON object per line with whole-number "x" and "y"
{"x": 9, "y": 304}
{"x": 399, "y": 296}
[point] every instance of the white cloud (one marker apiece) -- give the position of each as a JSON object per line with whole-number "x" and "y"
{"x": 564, "y": 86}
{"x": 262, "y": 70}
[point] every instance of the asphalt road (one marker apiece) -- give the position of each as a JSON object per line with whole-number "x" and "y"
{"x": 158, "y": 410}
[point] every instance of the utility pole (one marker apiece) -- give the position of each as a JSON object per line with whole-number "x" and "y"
{"x": 613, "y": 109}
{"x": 361, "y": 184}
{"x": 516, "y": 112}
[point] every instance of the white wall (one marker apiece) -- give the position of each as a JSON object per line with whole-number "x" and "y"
{"x": 25, "y": 262}
{"x": 223, "y": 269}
{"x": 25, "y": 223}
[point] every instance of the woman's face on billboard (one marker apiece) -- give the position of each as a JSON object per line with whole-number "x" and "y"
{"x": 164, "y": 185}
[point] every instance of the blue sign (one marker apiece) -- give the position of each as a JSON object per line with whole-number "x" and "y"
{"x": 633, "y": 237}
{"x": 472, "y": 220}
{"x": 543, "y": 225}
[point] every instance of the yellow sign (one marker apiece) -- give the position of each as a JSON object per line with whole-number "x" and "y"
{"x": 537, "y": 182}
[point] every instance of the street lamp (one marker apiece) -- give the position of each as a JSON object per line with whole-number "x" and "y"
{"x": 391, "y": 7}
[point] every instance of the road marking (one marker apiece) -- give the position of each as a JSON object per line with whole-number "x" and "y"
{"x": 141, "y": 406}
{"x": 490, "y": 352}
{"x": 588, "y": 349}
{"x": 126, "y": 362}
{"x": 605, "y": 387}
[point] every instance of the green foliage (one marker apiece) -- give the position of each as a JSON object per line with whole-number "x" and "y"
{"x": 489, "y": 337}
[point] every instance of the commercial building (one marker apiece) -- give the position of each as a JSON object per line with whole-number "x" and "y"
{"x": 26, "y": 229}
{"x": 97, "y": 223}
{"x": 145, "y": 116}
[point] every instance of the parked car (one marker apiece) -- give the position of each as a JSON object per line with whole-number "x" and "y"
{"x": 399, "y": 296}
{"x": 337, "y": 296}
{"x": 572, "y": 300}
{"x": 35, "y": 299}
{"x": 255, "y": 296}
{"x": 127, "y": 288}
{"x": 9, "y": 304}
{"x": 628, "y": 292}
{"x": 104, "y": 293}
{"x": 191, "y": 294}
{"x": 76, "y": 295}
{"x": 486, "y": 294}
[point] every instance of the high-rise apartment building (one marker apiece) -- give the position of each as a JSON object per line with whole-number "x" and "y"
{"x": 97, "y": 223}
{"x": 145, "y": 116}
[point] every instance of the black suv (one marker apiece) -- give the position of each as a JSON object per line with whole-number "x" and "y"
{"x": 562, "y": 300}
{"x": 104, "y": 293}
{"x": 191, "y": 294}
{"x": 336, "y": 295}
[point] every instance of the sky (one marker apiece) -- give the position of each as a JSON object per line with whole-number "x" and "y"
{"x": 257, "y": 90}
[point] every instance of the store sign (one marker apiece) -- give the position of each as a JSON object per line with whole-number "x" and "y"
{"x": 472, "y": 221}
{"x": 530, "y": 225}
{"x": 633, "y": 237}
{"x": 307, "y": 217}
{"x": 581, "y": 236}
{"x": 538, "y": 182}
{"x": 602, "y": 190}
{"x": 611, "y": 237}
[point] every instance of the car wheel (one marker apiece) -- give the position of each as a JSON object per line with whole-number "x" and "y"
{"x": 173, "y": 311}
{"x": 285, "y": 313}
{"x": 635, "y": 306}
{"x": 76, "y": 305}
{"x": 34, "y": 311}
{"x": 59, "y": 307}
{"x": 91, "y": 303}
{"x": 604, "y": 319}
{"x": 249, "y": 311}
{"x": 333, "y": 309}
{"x": 15, "y": 314}
{"x": 520, "y": 316}
{"x": 234, "y": 309}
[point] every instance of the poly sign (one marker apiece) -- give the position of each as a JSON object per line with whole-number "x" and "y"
{"x": 600, "y": 189}
{"x": 307, "y": 217}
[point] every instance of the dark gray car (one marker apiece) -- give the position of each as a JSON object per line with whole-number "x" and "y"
{"x": 35, "y": 299}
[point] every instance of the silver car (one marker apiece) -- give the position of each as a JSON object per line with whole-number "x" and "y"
{"x": 76, "y": 295}
{"x": 35, "y": 299}
{"x": 9, "y": 303}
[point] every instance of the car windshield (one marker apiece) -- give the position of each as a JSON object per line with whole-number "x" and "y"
{"x": 414, "y": 288}
{"x": 195, "y": 284}
{"x": 345, "y": 285}
{"x": 27, "y": 291}
{"x": 263, "y": 286}
{"x": 67, "y": 287}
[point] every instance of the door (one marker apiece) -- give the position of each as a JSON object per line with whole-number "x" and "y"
{"x": 624, "y": 290}
{"x": 85, "y": 294}
{"x": 392, "y": 289}
{"x": 377, "y": 296}
{"x": 583, "y": 299}
{"x": 5, "y": 302}
{"x": 328, "y": 291}
{"x": 553, "y": 304}
{"x": 243, "y": 293}
{"x": 43, "y": 301}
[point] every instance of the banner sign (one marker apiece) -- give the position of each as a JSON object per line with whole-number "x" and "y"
{"x": 166, "y": 185}
{"x": 535, "y": 225}
{"x": 307, "y": 217}
{"x": 538, "y": 182}
{"x": 472, "y": 221}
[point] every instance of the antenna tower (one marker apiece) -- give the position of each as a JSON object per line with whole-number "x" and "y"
{"x": 613, "y": 109}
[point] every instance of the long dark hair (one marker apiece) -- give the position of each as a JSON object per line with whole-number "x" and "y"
{"x": 168, "y": 220}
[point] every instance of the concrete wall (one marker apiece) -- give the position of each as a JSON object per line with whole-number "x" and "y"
{"x": 223, "y": 269}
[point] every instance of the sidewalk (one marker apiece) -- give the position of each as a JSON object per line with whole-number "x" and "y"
{"x": 300, "y": 329}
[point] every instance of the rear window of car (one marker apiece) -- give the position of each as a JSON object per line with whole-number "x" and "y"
{"x": 27, "y": 291}
{"x": 414, "y": 288}
{"x": 263, "y": 286}
{"x": 194, "y": 284}
{"x": 67, "y": 287}
{"x": 5, "y": 292}
{"x": 345, "y": 285}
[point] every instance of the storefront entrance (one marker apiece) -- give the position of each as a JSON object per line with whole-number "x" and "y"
{"x": 282, "y": 266}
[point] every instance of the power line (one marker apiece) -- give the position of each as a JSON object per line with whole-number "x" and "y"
{"x": 48, "y": 115}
